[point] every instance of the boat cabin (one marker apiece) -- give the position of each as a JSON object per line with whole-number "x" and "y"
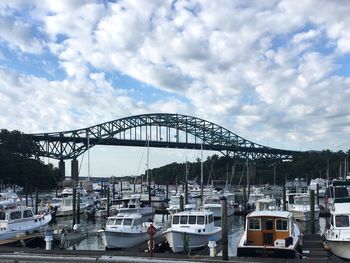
{"x": 193, "y": 221}
{"x": 124, "y": 220}
{"x": 269, "y": 228}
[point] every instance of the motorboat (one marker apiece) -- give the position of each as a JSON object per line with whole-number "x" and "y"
{"x": 267, "y": 203}
{"x": 174, "y": 204}
{"x": 126, "y": 230}
{"x": 301, "y": 207}
{"x": 19, "y": 220}
{"x": 213, "y": 204}
{"x": 66, "y": 207}
{"x": 272, "y": 234}
{"x": 191, "y": 230}
{"x": 322, "y": 186}
{"x": 134, "y": 205}
{"x": 337, "y": 237}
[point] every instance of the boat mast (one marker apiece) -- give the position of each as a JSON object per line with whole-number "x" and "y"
{"x": 88, "y": 150}
{"x": 201, "y": 173}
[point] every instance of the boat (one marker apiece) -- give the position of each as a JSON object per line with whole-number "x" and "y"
{"x": 126, "y": 230}
{"x": 337, "y": 237}
{"x": 134, "y": 205}
{"x": 66, "y": 207}
{"x": 322, "y": 186}
{"x": 213, "y": 204}
{"x": 299, "y": 205}
{"x": 174, "y": 203}
{"x": 18, "y": 220}
{"x": 270, "y": 233}
{"x": 267, "y": 203}
{"x": 191, "y": 230}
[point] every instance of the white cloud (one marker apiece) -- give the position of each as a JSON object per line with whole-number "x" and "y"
{"x": 264, "y": 69}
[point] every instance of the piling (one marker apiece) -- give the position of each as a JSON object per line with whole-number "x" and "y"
{"x": 317, "y": 194}
{"x": 224, "y": 231}
{"x": 244, "y": 200}
{"x": 181, "y": 203}
{"x": 284, "y": 199}
{"x": 113, "y": 191}
{"x": 74, "y": 204}
{"x": 78, "y": 208}
{"x": 149, "y": 191}
{"x": 121, "y": 189}
{"x": 108, "y": 203}
{"x": 36, "y": 200}
{"x": 312, "y": 211}
{"x": 186, "y": 193}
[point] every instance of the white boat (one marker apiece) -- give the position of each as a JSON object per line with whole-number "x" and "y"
{"x": 337, "y": 237}
{"x": 191, "y": 230}
{"x": 213, "y": 204}
{"x": 84, "y": 196}
{"x": 322, "y": 186}
{"x": 174, "y": 203}
{"x": 66, "y": 207}
{"x": 19, "y": 220}
{"x": 301, "y": 208}
{"x": 266, "y": 204}
{"x": 126, "y": 230}
{"x": 270, "y": 233}
{"x": 134, "y": 206}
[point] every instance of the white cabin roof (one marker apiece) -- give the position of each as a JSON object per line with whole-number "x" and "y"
{"x": 284, "y": 214}
{"x": 194, "y": 213}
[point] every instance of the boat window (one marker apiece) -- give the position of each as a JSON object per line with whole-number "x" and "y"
{"x": 176, "y": 220}
{"x": 127, "y": 222}
{"x": 110, "y": 222}
{"x": 192, "y": 220}
{"x": 281, "y": 224}
{"x": 137, "y": 222}
{"x": 27, "y": 213}
{"x": 183, "y": 220}
{"x": 2, "y": 215}
{"x": 15, "y": 215}
{"x": 268, "y": 224}
{"x": 211, "y": 218}
{"x": 342, "y": 221}
{"x": 200, "y": 220}
{"x": 254, "y": 223}
{"x": 118, "y": 221}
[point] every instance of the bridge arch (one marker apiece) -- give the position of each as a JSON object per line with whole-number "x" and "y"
{"x": 157, "y": 130}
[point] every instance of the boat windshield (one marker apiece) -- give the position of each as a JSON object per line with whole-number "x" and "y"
{"x": 342, "y": 221}
{"x": 110, "y": 221}
{"x": 127, "y": 222}
{"x": 176, "y": 220}
{"x": 118, "y": 221}
{"x": 301, "y": 200}
{"x": 200, "y": 220}
{"x": 2, "y": 215}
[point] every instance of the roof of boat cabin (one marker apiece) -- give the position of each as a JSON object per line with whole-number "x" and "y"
{"x": 126, "y": 215}
{"x": 284, "y": 214}
{"x": 194, "y": 212}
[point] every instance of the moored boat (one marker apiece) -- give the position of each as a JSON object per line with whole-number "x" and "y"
{"x": 337, "y": 237}
{"x": 126, "y": 230}
{"x": 272, "y": 234}
{"x": 19, "y": 220}
{"x": 191, "y": 230}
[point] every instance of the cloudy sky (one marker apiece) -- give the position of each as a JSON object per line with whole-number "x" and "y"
{"x": 276, "y": 72}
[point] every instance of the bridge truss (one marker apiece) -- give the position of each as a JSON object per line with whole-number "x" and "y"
{"x": 156, "y": 130}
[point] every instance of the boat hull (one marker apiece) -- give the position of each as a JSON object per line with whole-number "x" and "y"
{"x": 177, "y": 242}
{"x": 305, "y": 215}
{"x": 275, "y": 252}
{"x": 339, "y": 248}
{"x": 123, "y": 240}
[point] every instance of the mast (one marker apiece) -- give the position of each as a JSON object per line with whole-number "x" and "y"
{"x": 88, "y": 150}
{"x": 201, "y": 173}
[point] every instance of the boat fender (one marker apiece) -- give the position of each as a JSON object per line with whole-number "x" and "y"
{"x": 288, "y": 241}
{"x": 327, "y": 247}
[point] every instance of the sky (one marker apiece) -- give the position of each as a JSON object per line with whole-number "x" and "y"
{"x": 276, "y": 72}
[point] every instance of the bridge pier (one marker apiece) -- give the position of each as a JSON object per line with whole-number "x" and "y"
{"x": 62, "y": 169}
{"x": 74, "y": 170}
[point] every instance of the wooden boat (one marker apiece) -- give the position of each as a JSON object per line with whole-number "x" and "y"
{"x": 272, "y": 234}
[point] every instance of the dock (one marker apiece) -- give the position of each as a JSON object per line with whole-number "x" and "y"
{"x": 313, "y": 252}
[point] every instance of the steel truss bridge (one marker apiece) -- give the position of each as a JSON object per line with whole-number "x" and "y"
{"x": 162, "y": 130}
